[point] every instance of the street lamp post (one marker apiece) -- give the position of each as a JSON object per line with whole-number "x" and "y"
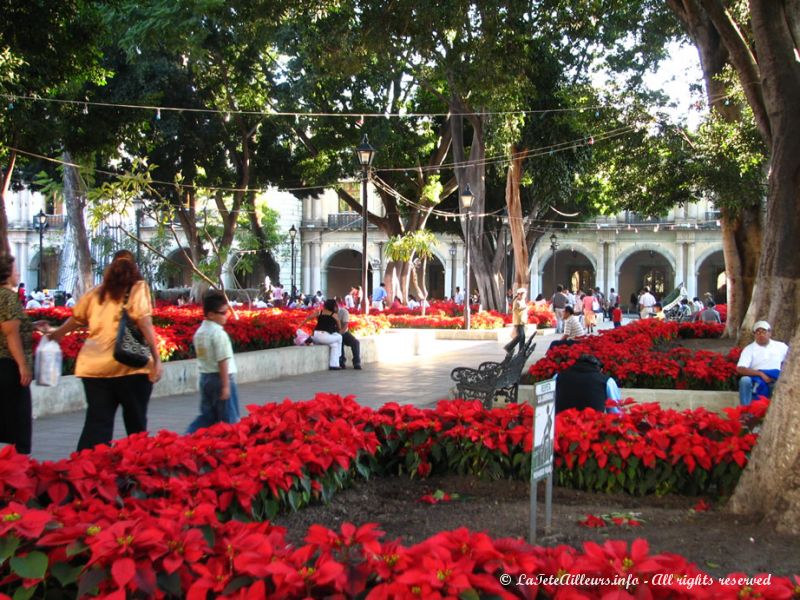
{"x": 40, "y": 224}
{"x": 466, "y": 202}
{"x": 292, "y": 234}
{"x": 554, "y": 248}
{"x": 365, "y": 153}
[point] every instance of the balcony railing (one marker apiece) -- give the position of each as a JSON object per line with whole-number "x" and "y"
{"x": 633, "y": 218}
{"x": 56, "y": 221}
{"x": 344, "y": 221}
{"x": 53, "y": 222}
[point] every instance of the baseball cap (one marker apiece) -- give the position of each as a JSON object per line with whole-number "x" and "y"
{"x": 521, "y": 290}
{"x": 761, "y": 325}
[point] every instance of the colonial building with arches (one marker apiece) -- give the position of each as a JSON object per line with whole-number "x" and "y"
{"x": 624, "y": 251}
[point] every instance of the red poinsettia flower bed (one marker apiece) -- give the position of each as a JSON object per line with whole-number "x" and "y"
{"x": 174, "y": 516}
{"x": 449, "y": 315}
{"x": 175, "y": 326}
{"x": 640, "y": 355}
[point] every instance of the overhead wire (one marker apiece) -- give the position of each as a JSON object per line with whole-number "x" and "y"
{"x": 158, "y": 109}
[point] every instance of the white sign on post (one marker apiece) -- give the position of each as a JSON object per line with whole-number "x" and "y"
{"x": 543, "y": 444}
{"x": 543, "y": 430}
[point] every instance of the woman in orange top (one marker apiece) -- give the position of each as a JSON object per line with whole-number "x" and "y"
{"x": 108, "y": 383}
{"x": 589, "y": 315}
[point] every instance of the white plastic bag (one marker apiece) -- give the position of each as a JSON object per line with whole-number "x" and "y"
{"x": 300, "y": 338}
{"x": 48, "y": 363}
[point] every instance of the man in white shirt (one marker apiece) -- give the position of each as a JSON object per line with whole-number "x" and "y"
{"x": 349, "y": 301}
{"x": 646, "y": 303}
{"x": 613, "y": 297}
{"x": 33, "y": 303}
{"x": 459, "y": 296}
{"x": 760, "y": 364}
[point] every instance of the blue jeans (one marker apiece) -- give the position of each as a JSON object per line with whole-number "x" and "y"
{"x": 750, "y": 385}
{"x": 212, "y": 409}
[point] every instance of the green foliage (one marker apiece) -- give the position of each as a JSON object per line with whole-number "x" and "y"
{"x": 418, "y": 244}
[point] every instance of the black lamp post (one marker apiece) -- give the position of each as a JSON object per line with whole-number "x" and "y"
{"x": 40, "y": 224}
{"x": 466, "y": 202}
{"x": 554, "y": 248}
{"x": 365, "y": 153}
{"x": 292, "y": 235}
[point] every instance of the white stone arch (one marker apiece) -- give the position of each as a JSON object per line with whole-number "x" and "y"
{"x": 703, "y": 256}
{"x": 332, "y": 250}
{"x": 440, "y": 257}
{"x": 643, "y": 247}
{"x": 545, "y": 253}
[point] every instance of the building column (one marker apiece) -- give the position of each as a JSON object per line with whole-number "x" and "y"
{"x": 307, "y": 209}
{"x": 600, "y": 272}
{"x": 680, "y": 264}
{"x": 316, "y": 209}
{"x": 535, "y": 275}
{"x": 612, "y": 277}
{"x": 691, "y": 273}
{"x": 306, "y": 274}
{"x": 451, "y": 270}
{"x": 316, "y": 267}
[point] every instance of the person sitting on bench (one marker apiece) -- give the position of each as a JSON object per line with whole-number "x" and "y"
{"x": 760, "y": 364}
{"x": 572, "y": 329}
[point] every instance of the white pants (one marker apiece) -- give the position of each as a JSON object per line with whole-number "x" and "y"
{"x": 334, "y": 340}
{"x": 377, "y": 305}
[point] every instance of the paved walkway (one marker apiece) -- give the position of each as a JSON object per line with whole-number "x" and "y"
{"x": 419, "y": 380}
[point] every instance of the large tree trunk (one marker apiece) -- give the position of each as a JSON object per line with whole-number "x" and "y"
{"x": 75, "y": 201}
{"x": 482, "y": 252}
{"x": 741, "y": 229}
{"x": 770, "y": 484}
{"x": 394, "y": 277}
{"x": 5, "y": 184}
{"x": 514, "y": 203}
{"x": 271, "y": 266}
{"x": 741, "y": 245}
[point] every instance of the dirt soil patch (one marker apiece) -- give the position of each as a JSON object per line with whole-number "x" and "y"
{"x": 718, "y": 542}
{"x": 723, "y": 346}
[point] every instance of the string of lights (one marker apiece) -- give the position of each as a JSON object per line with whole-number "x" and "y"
{"x": 532, "y": 153}
{"x": 269, "y": 112}
{"x": 435, "y": 213}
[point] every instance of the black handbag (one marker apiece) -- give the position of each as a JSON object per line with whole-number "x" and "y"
{"x": 130, "y": 349}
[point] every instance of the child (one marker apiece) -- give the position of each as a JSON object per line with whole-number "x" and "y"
{"x": 660, "y": 314}
{"x": 218, "y": 398}
{"x": 616, "y": 315}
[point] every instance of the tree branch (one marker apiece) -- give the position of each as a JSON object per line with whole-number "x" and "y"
{"x": 743, "y": 61}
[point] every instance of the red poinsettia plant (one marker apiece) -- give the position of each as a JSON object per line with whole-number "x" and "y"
{"x": 642, "y": 355}
{"x": 171, "y": 516}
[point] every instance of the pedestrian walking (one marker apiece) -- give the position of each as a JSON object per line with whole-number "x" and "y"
{"x": 219, "y": 400}
{"x": 107, "y": 382}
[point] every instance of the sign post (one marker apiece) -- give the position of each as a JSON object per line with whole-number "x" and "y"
{"x": 542, "y": 454}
